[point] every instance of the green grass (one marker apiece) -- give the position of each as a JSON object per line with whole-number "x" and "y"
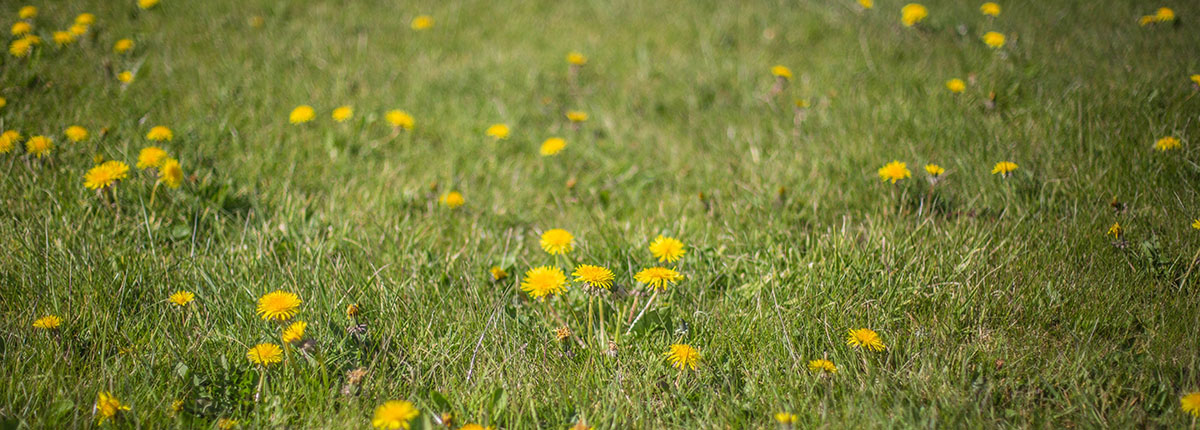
{"x": 1002, "y": 302}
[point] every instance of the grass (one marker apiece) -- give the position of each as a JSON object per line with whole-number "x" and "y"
{"x": 1001, "y": 300}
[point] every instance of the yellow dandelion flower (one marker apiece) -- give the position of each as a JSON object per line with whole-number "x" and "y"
{"x": 498, "y": 273}
{"x": 76, "y": 133}
{"x": 27, "y": 12}
{"x": 658, "y": 277}
{"x": 894, "y": 171}
{"x": 78, "y": 30}
{"x": 781, "y": 72}
{"x": 1167, "y": 143}
{"x": 1191, "y": 403}
{"x": 399, "y": 119}
{"x": 278, "y": 305}
{"x": 667, "y": 249}
{"x": 21, "y": 28}
{"x": 122, "y": 46}
{"x": 785, "y": 418}
{"x": 1196, "y": 224}
{"x": 993, "y": 39}
{"x": 85, "y": 19}
{"x": 265, "y": 354}
{"x": 912, "y": 13}
{"x": 934, "y": 170}
{"x": 9, "y": 140}
{"x": 452, "y": 200}
{"x": 48, "y": 322}
{"x": 866, "y": 4}
{"x": 956, "y": 85}
{"x": 160, "y": 133}
{"x": 176, "y": 406}
{"x": 544, "y": 281}
{"x": 576, "y": 59}
{"x": 39, "y": 146}
{"x": 577, "y": 116}
{"x": 497, "y": 131}
{"x": 171, "y": 173}
{"x": 181, "y": 298}
{"x": 226, "y": 424}
{"x": 990, "y": 9}
{"x": 552, "y": 146}
{"x": 865, "y": 338}
{"x": 822, "y": 366}
{"x": 63, "y": 38}
{"x": 1004, "y": 168}
{"x": 147, "y": 4}
{"x": 475, "y": 427}
{"x": 342, "y": 113}
{"x": 20, "y": 48}
{"x": 1116, "y": 230}
{"x": 1195, "y": 79}
{"x": 125, "y": 77}
{"x": 294, "y": 332}
{"x": 557, "y": 241}
{"x": 394, "y": 415}
{"x": 683, "y": 356}
{"x": 1164, "y": 14}
{"x": 151, "y": 156}
{"x": 302, "y": 114}
{"x": 422, "y": 22}
{"x": 105, "y": 175}
{"x": 107, "y": 407}
{"x": 596, "y": 276}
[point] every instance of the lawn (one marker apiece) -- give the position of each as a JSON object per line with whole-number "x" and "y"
{"x": 420, "y": 234}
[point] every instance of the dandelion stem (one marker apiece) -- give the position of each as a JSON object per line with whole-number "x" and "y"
{"x": 643, "y": 312}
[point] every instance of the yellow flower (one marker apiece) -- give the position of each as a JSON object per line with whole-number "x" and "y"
{"x": 1167, "y": 143}
{"x": 934, "y": 170}
{"x": 151, "y": 156}
{"x": 1004, "y": 168}
{"x": 226, "y": 423}
{"x": 48, "y": 322}
{"x": 1164, "y": 14}
{"x": 1116, "y": 230}
{"x": 63, "y": 38}
{"x": 683, "y": 356}
{"x": 294, "y": 332}
{"x": 498, "y": 273}
{"x": 452, "y": 200}
{"x": 894, "y": 171}
{"x": 265, "y": 354}
{"x": 557, "y": 241}
{"x": 147, "y": 4}
{"x": 865, "y": 338}
{"x": 21, "y": 28}
{"x": 785, "y": 418}
{"x": 562, "y": 333}
{"x": 125, "y": 77}
{"x": 1196, "y": 224}
{"x": 107, "y": 406}
{"x": 596, "y": 276}
{"x": 399, "y": 119}
{"x": 1195, "y": 79}
{"x": 866, "y": 4}
{"x": 576, "y": 59}
{"x": 422, "y": 22}
{"x": 39, "y": 146}
{"x": 171, "y": 173}
{"x": 990, "y": 9}
{"x": 1191, "y": 403}
{"x": 497, "y": 131}
{"x": 105, "y": 175}
{"x": 27, "y": 12}
{"x": 21, "y": 48}
{"x": 302, "y": 114}
{"x": 822, "y": 365}
{"x": 176, "y": 406}
{"x": 781, "y": 72}
{"x": 956, "y": 85}
{"x": 122, "y": 46}
{"x": 78, "y": 30}
{"x": 577, "y": 116}
{"x": 9, "y": 140}
{"x": 342, "y": 113}
{"x": 667, "y": 249}
{"x": 160, "y": 133}
{"x": 912, "y": 13}
{"x": 1146, "y": 20}
{"x": 394, "y": 415}
{"x": 85, "y": 19}
{"x": 552, "y": 146}
{"x": 993, "y": 39}
{"x": 181, "y": 298}
{"x": 76, "y": 133}
{"x": 278, "y": 305}
{"x": 544, "y": 281}
{"x": 658, "y": 277}
{"x": 475, "y": 427}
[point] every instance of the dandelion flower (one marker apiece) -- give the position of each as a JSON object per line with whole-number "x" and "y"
{"x": 866, "y": 4}
{"x": 658, "y": 277}
{"x": 497, "y": 131}
{"x": 27, "y": 12}
{"x": 1195, "y": 79}
{"x": 107, "y": 407}
{"x": 399, "y": 119}
{"x": 894, "y": 171}
{"x": 302, "y": 114}
{"x": 171, "y": 173}
{"x": 151, "y": 156}
{"x": 422, "y": 22}
{"x": 782, "y": 72}
{"x": 1164, "y": 14}
{"x": 1196, "y": 224}
{"x": 9, "y": 140}
{"x": 48, "y": 322}
{"x": 912, "y": 13}
{"x": 1191, "y": 403}
{"x": 147, "y": 4}
{"x": 78, "y": 30}
{"x": 39, "y": 146}
{"x": 394, "y": 415}
{"x": 452, "y": 200}
{"x": 498, "y": 273}
{"x": 294, "y": 332}
{"x": 552, "y": 146}
{"x": 3, "y": 102}
{"x": 667, "y": 249}
{"x": 85, "y": 19}
{"x": 683, "y": 356}
{"x": 160, "y": 133}
{"x": 993, "y": 39}
{"x": 557, "y": 241}
{"x": 342, "y": 113}
{"x": 956, "y": 85}
{"x": 63, "y": 38}
{"x": 181, "y": 298}
{"x": 265, "y": 354}
{"x": 934, "y": 170}
{"x": 125, "y": 77}
{"x": 576, "y": 59}
{"x": 1004, "y": 168}
{"x": 1167, "y": 143}
{"x": 475, "y": 427}
{"x": 544, "y": 281}
{"x": 226, "y": 424}
{"x": 822, "y": 366}
{"x": 122, "y": 46}
{"x": 21, "y": 28}
{"x": 105, "y": 175}
{"x": 1116, "y": 230}
{"x": 577, "y": 116}
{"x": 595, "y": 276}
{"x": 990, "y": 9}
{"x": 865, "y": 338}
{"x": 278, "y": 305}
{"x": 21, "y": 48}
{"x": 785, "y": 418}
{"x": 76, "y": 133}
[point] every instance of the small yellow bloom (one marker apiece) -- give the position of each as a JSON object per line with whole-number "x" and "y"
{"x": 226, "y": 424}
{"x": 552, "y": 146}
{"x": 27, "y": 12}
{"x": 576, "y": 59}
{"x": 21, "y": 28}
{"x": 122, "y": 46}
{"x": 76, "y": 133}
{"x": 452, "y": 200}
{"x": 562, "y": 333}
{"x": 866, "y": 4}
{"x": 9, "y": 140}
{"x": 956, "y": 85}
{"x": 1196, "y": 224}
{"x": 990, "y": 9}
{"x": 1164, "y": 14}
{"x": 934, "y": 170}
{"x": 544, "y": 281}
{"x": 577, "y": 116}
{"x": 105, "y": 175}
{"x": 497, "y": 131}
{"x": 473, "y": 426}
{"x": 107, "y": 407}
{"x": 1167, "y": 143}
{"x": 302, "y": 114}
{"x": 822, "y": 365}
{"x": 912, "y": 13}
{"x": 993, "y": 39}
{"x": 265, "y": 354}
{"x": 658, "y": 278}
{"x": 78, "y": 30}
{"x": 21, "y": 48}
{"x": 48, "y": 322}
{"x": 125, "y": 77}
{"x": 151, "y": 156}
{"x": 160, "y": 133}
{"x": 667, "y": 249}
{"x": 1116, "y": 230}
{"x": 394, "y": 415}
{"x": 39, "y": 146}
{"x": 352, "y": 311}
{"x": 422, "y": 22}
{"x": 85, "y": 19}
{"x": 147, "y": 4}
{"x": 785, "y": 418}
{"x": 781, "y": 72}
{"x": 294, "y": 332}
{"x": 865, "y": 338}
{"x": 557, "y": 241}
{"x": 595, "y": 276}
{"x": 181, "y": 298}
{"x": 63, "y": 38}
{"x": 342, "y": 113}
{"x": 3, "y": 102}
{"x": 278, "y": 305}
{"x": 498, "y": 273}
{"x": 894, "y": 171}
{"x": 171, "y": 173}
{"x": 683, "y": 356}
{"x": 1004, "y": 168}
{"x": 1196, "y": 80}
{"x": 400, "y": 119}
{"x": 1191, "y": 403}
